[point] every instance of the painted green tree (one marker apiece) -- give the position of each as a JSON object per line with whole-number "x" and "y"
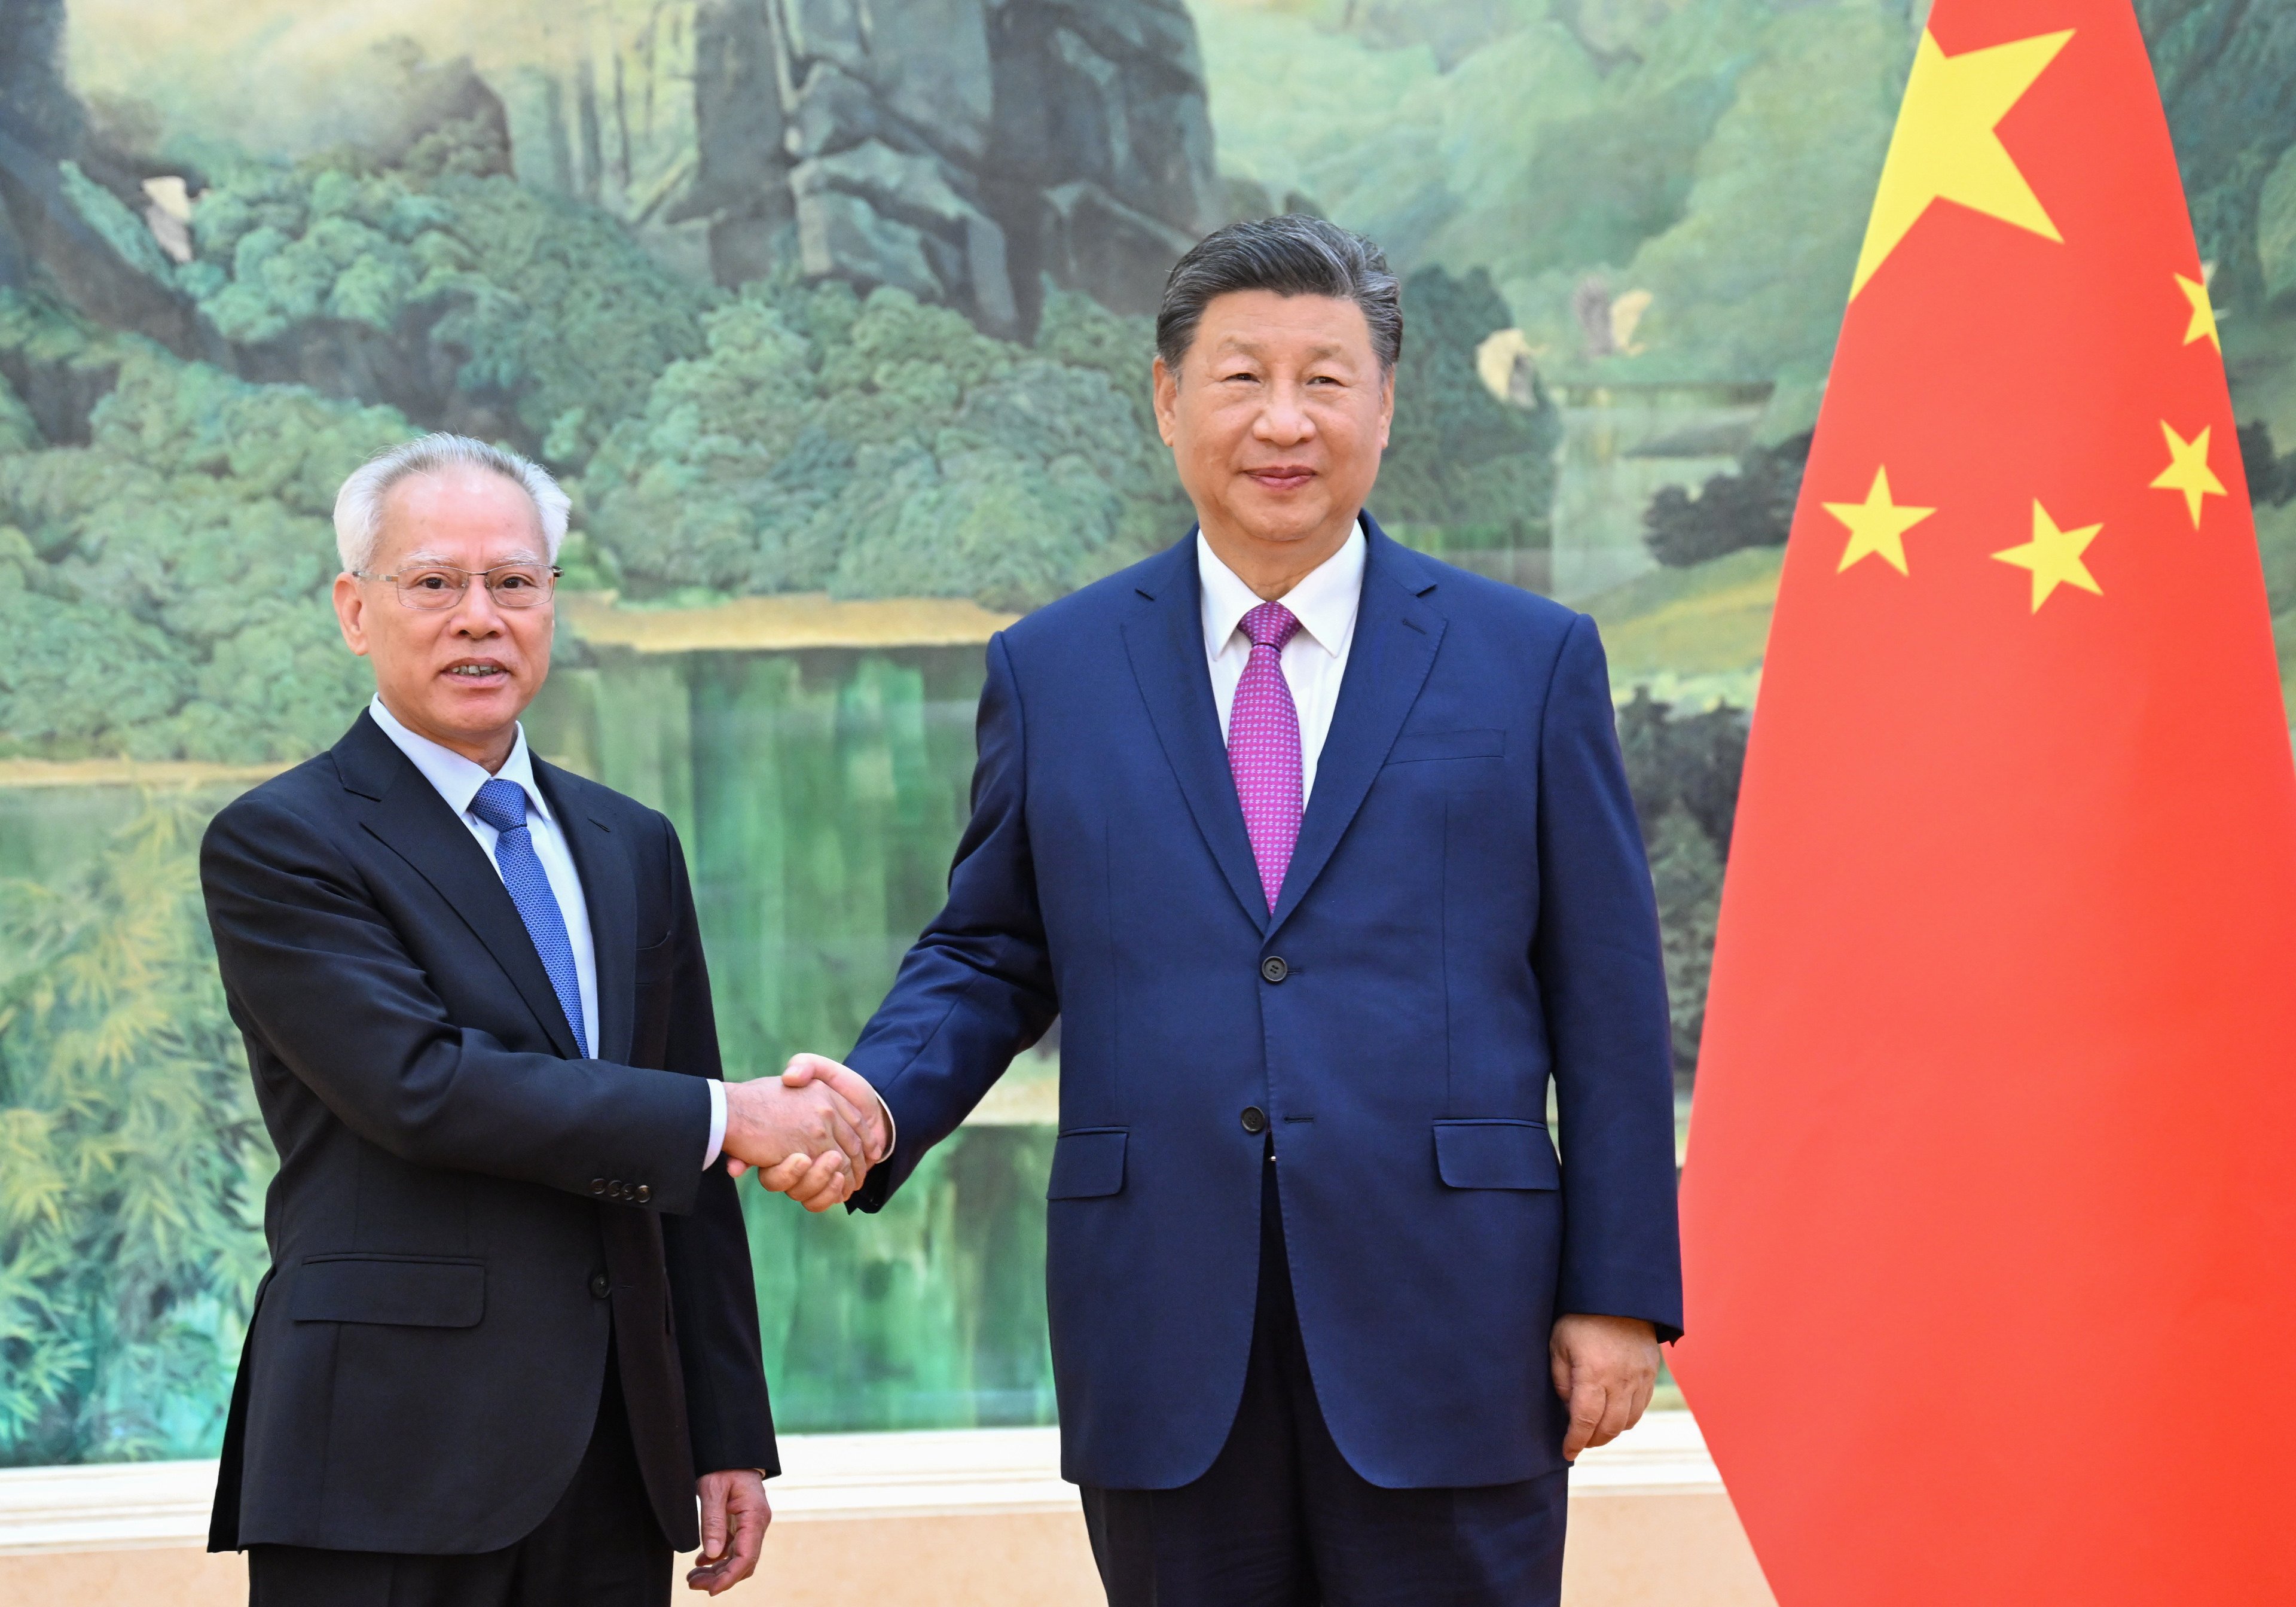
{"x": 131, "y": 1157}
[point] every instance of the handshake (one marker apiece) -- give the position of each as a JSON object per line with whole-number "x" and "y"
{"x": 812, "y": 1133}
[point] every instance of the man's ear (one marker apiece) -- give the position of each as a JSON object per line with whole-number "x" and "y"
{"x": 351, "y": 612}
{"x": 1386, "y": 406}
{"x": 1168, "y": 400}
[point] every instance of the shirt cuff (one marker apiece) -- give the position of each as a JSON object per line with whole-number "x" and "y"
{"x": 892, "y": 1131}
{"x": 716, "y": 1123}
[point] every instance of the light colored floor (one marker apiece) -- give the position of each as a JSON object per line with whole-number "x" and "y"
{"x": 1626, "y": 1551}
{"x": 951, "y": 1518}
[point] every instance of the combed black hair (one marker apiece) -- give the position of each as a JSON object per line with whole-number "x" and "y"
{"x": 1292, "y": 255}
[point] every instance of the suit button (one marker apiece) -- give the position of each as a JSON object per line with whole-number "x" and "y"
{"x": 597, "y": 1186}
{"x": 645, "y": 1194}
{"x": 1273, "y": 969}
{"x": 598, "y": 1284}
{"x": 1255, "y": 1119}
{"x": 615, "y": 1191}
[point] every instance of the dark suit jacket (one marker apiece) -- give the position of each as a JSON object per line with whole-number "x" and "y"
{"x": 463, "y": 1212}
{"x": 1467, "y": 916}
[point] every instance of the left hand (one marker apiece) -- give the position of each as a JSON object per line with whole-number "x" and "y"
{"x": 1605, "y": 1368}
{"x": 735, "y": 1513}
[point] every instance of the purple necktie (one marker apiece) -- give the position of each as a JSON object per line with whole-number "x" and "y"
{"x": 1263, "y": 747}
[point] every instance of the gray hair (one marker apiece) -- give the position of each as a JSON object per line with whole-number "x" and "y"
{"x": 358, "y": 505}
{"x": 1294, "y": 255}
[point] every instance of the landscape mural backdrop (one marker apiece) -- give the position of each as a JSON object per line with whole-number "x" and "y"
{"x": 831, "y": 317}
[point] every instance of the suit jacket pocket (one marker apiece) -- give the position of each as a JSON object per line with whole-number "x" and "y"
{"x": 1416, "y": 746}
{"x": 1088, "y": 1163}
{"x": 1496, "y": 1153}
{"x": 412, "y": 1292}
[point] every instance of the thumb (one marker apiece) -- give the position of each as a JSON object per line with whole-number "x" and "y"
{"x": 713, "y": 1522}
{"x": 803, "y": 1069}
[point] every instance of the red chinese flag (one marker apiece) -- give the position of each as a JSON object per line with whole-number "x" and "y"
{"x": 1989, "y": 1218}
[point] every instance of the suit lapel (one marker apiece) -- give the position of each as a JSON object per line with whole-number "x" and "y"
{"x": 1166, "y": 643}
{"x": 609, "y": 888}
{"x": 1394, "y": 646}
{"x": 416, "y": 823}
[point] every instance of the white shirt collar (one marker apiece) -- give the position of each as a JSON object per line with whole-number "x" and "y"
{"x": 1325, "y": 602}
{"x": 456, "y": 778}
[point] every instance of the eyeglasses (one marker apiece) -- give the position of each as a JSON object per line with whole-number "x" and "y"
{"x": 441, "y": 585}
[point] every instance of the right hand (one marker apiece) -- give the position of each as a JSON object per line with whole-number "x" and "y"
{"x": 807, "y": 1137}
{"x": 813, "y": 1133}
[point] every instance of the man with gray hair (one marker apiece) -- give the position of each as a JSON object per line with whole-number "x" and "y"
{"x": 509, "y": 1338}
{"x": 1322, "y": 852}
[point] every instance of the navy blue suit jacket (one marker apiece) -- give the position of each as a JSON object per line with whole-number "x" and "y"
{"x": 1467, "y": 916}
{"x": 469, "y": 1218}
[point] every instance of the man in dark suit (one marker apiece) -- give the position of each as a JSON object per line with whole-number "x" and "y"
{"x": 1323, "y": 852}
{"x": 510, "y": 1312}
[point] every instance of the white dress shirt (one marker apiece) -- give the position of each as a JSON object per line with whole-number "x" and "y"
{"x": 458, "y": 779}
{"x": 1314, "y": 659}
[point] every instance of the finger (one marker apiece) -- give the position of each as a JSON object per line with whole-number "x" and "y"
{"x": 825, "y": 1176}
{"x": 749, "y": 1540}
{"x": 843, "y": 1106}
{"x": 848, "y": 1137}
{"x": 713, "y": 1519}
{"x": 1617, "y": 1415}
{"x": 734, "y": 1167}
{"x": 783, "y": 1177}
{"x": 1646, "y": 1387}
{"x": 1586, "y": 1417}
{"x": 856, "y": 1092}
{"x": 803, "y": 1069}
{"x": 1558, "y": 1369}
{"x": 836, "y": 1192}
{"x": 814, "y": 1177}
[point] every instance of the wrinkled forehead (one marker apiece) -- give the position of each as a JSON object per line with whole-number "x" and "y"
{"x": 1269, "y": 327}
{"x": 468, "y": 517}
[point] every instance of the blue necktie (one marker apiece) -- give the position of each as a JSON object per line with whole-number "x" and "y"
{"x": 501, "y": 805}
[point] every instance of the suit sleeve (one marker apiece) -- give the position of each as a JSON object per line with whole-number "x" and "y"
{"x": 712, "y": 1290}
{"x": 1603, "y": 982}
{"x": 314, "y": 971}
{"x": 977, "y": 987}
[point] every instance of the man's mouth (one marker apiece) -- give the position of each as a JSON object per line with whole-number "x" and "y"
{"x": 1283, "y": 477}
{"x": 478, "y": 670}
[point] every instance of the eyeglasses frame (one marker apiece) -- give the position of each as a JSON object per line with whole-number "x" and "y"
{"x": 552, "y": 569}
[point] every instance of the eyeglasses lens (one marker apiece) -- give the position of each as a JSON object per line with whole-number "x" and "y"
{"x": 512, "y": 586}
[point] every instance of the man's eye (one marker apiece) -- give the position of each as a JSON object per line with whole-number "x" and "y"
{"x": 513, "y": 583}
{"x": 429, "y": 583}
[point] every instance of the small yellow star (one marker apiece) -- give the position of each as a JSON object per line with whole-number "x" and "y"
{"x": 2204, "y": 313}
{"x": 1945, "y": 149}
{"x": 1877, "y": 525}
{"x": 2188, "y": 471}
{"x": 2054, "y": 557}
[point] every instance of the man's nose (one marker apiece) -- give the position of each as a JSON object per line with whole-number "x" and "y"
{"x": 1285, "y": 421}
{"x": 477, "y": 615}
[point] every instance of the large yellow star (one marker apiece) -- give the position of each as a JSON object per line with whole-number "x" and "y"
{"x": 2188, "y": 471}
{"x": 1945, "y": 148}
{"x": 2203, "y": 321}
{"x": 1877, "y": 525}
{"x": 2054, "y": 557}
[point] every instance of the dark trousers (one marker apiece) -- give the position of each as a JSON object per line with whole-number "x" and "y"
{"x": 1282, "y": 1521}
{"x": 599, "y": 1547}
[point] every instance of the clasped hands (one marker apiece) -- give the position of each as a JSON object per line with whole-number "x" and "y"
{"x": 812, "y": 1133}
